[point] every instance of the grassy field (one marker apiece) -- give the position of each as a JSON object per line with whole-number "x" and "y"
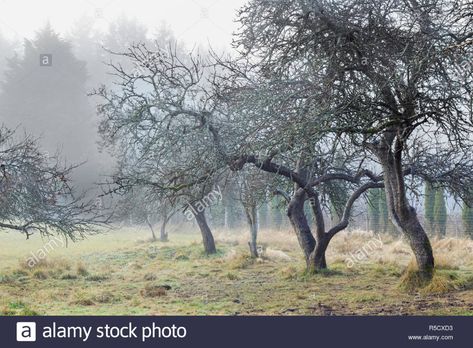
{"x": 122, "y": 272}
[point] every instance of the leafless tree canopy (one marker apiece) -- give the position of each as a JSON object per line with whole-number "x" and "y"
{"x": 35, "y": 192}
{"x": 334, "y": 97}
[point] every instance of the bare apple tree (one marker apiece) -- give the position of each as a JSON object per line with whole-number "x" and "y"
{"x": 388, "y": 75}
{"x": 156, "y": 121}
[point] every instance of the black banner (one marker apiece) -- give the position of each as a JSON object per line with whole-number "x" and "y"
{"x": 398, "y": 332}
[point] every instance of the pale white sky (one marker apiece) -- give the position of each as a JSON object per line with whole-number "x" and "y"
{"x": 192, "y": 21}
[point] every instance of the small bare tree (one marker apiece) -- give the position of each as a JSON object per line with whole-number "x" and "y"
{"x": 253, "y": 187}
{"x": 147, "y": 208}
{"x": 156, "y": 120}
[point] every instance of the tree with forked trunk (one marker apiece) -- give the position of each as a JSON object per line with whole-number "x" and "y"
{"x": 253, "y": 186}
{"x": 369, "y": 79}
{"x": 385, "y": 74}
{"x": 307, "y": 185}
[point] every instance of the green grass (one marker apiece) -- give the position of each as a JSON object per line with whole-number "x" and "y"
{"x": 120, "y": 273}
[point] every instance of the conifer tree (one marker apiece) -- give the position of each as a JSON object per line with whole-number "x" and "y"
{"x": 440, "y": 212}
{"x": 385, "y": 223}
{"x": 467, "y": 217}
{"x": 374, "y": 216}
{"x": 429, "y": 202}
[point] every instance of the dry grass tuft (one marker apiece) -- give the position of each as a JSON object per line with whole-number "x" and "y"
{"x": 151, "y": 290}
{"x": 443, "y": 281}
{"x": 240, "y": 261}
{"x": 412, "y": 280}
{"x": 82, "y": 299}
{"x": 290, "y": 272}
{"x": 105, "y": 297}
{"x": 232, "y": 276}
{"x": 441, "y": 284}
{"x": 96, "y": 277}
{"x": 81, "y": 270}
{"x": 181, "y": 256}
{"x": 69, "y": 276}
{"x": 399, "y": 247}
{"x": 452, "y": 253}
{"x": 443, "y": 261}
{"x": 149, "y": 276}
{"x": 40, "y": 274}
{"x": 47, "y": 264}
{"x": 276, "y": 255}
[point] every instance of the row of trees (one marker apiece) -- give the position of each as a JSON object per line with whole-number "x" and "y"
{"x": 435, "y": 212}
{"x": 320, "y": 92}
{"x": 467, "y": 217}
{"x": 51, "y": 102}
{"x": 322, "y": 102}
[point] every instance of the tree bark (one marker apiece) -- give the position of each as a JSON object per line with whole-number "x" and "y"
{"x": 207, "y": 237}
{"x": 295, "y": 212}
{"x": 150, "y": 225}
{"x": 401, "y": 214}
{"x": 317, "y": 260}
{"x": 252, "y": 217}
{"x": 163, "y": 237}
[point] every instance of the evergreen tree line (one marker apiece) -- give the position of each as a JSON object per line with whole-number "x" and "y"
{"x": 230, "y": 215}
{"x": 467, "y": 218}
{"x": 435, "y": 212}
{"x": 45, "y": 83}
{"x": 378, "y": 218}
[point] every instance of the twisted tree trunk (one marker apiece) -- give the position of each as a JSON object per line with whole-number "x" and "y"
{"x": 402, "y": 215}
{"x": 163, "y": 237}
{"x": 166, "y": 215}
{"x": 317, "y": 261}
{"x": 207, "y": 237}
{"x": 150, "y": 225}
{"x": 314, "y": 257}
{"x": 252, "y": 217}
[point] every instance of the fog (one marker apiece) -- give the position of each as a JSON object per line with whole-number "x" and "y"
{"x": 53, "y": 56}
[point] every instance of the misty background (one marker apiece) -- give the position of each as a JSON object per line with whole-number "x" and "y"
{"x": 51, "y": 102}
